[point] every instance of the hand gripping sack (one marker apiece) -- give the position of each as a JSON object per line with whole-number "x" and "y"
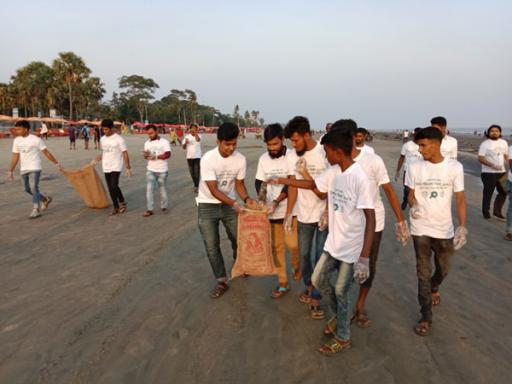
{"x": 254, "y": 253}
{"x": 89, "y": 186}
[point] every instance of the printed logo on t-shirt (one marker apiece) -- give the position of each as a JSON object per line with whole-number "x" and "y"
{"x": 433, "y": 188}
{"x": 340, "y": 200}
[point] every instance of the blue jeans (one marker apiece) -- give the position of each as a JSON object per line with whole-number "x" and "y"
{"x": 152, "y": 179}
{"x": 310, "y": 251}
{"x": 509, "y": 211}
{"x": 209, "y": 218}
{"x": 338, "y": 296}
{"x": 31, "y": 182}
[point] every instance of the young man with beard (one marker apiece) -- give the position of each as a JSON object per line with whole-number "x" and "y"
{"x": 449, "y": 145}
{"x": 273, "y": 164}
{"x": 409, "y": 153}
{"x": 156, "y": 151}
{"x": 360, "y": 138}
{"x": 222, "y": 175}
{"x": 493, "y": 155}
{"x": 310, "y": 205}
{"x": 26, "y": 149}
{"x": 432, "y": 183}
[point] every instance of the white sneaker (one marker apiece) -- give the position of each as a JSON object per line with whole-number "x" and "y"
{"x": 45, "y": 203}
{"x": 34, "y": 214}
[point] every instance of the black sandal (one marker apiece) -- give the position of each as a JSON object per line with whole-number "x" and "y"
{"x": 219, "y": 290}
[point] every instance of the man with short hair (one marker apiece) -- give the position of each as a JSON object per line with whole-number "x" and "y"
{"x": 508, "y": 235}
{"x": 26, "y": 149}
{"x": 360, "y": 138}
{"x": 72, "y": 136}
{"x": 409, "y": 153}
{"x": 192, "y": 144}
{"x": 273, "y": 164}
{"x": 84, "y": 131}
{"x": 156, "y": 151}
{"x": 222, "y": 175}
{"x": 493, "y": 155}
{"x": 449, "y": 146}
{"x": 432, "y": 183}
{"x": 307, "y": 154}
{"x": 113, "y": 158}
{"x": 44, "y": 130}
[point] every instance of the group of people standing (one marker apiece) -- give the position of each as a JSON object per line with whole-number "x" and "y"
{"x": 323, "y": 202}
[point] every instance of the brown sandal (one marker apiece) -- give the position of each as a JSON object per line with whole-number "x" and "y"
{"x": 147, "y": 213}
{"x": 114, "y": 212}
{"x": 122, "y": 207}
{"x": 316, "y": 312}
{"x": 422, "y": 328}
{"x": 361, "y": 320}
{"x": 305, "y": 297}
{"x": 330, "y": 328}
{"x": 334, "y": 346}
{"x": 219, "y": 290}
{"x": 280, "y": 292}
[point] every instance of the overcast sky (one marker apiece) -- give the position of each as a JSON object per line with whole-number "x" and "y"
{"x": 387, "y": 64}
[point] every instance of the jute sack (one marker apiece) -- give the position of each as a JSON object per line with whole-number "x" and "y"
{"x": 89, "y": 186}
{"x": 254, "y": 253}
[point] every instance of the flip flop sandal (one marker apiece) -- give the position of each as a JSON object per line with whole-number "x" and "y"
{"x": 317, "y": 313}
{"x": 422, "y": 328}
{"x": 219, "y": 290}
{"x": 122, "y": 207}
{"x": 280, "y": 292}
{"x": 305, "y": 297}
{"x": 114, "y": 212}
{"x": 147, "y": 214}
{"x": 330, "y": 328}
{"x": 334, "y": 346}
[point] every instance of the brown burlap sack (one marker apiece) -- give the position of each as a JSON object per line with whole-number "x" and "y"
{"x": 89, "y": 186}
{"x": 254, "y": 254}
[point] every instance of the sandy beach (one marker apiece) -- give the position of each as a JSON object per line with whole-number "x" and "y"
{"x": 87, "y": 298}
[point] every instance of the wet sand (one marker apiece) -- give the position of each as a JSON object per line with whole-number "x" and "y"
{"x": 87, "y": 298}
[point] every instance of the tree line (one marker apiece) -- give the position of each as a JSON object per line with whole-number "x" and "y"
{"x": 67, "y": 85}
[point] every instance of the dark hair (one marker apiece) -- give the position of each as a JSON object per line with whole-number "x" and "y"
{"x": 341, "y": 136}
{"x": 23, "y": 123}
{"x": 439, "y": 120}
{"x": 151, "y": 126}
{"x": 345, "y": 124}
{"x": 299, "y": 124}
{"x": 193, "y": 125}
{"x": 362, "y": 130}
{"x": 416, "y": 130}
{"x": 107, "y": 123}
{"x": 491, "y": 127}
{"x": 227, "y": 132}
{"x": 429, "y": 133}
{"x": 273, "y": 131}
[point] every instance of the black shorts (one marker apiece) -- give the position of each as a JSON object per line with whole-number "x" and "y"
{"x": 72, "y": 139}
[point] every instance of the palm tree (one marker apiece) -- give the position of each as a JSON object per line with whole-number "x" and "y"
{"x": 72, "y": 70}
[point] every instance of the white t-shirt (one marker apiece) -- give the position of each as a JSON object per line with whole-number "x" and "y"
{"x": 224, "y": 170}
{"x": 113, "y": 147}
{"x": 349, "y": 193}
{"x": 411, "y": 152}
{"x": 366, "y": 148}
{"x": 193, "y": 146}
{"x": 406, "y": 134}
{"x": 494, "y": 151}
{"x": 44, "y": 128}
{"x": 309, "y": 207}
{"x": 434, "y": 185}
{"x": 157, "y": 148}
{"x": 510, "y": 169}
{"x": 29, "y": 149}
{"x": 449, "y": 147}
{"x": 374, "y": 167}
{"x": 269, "y": 168}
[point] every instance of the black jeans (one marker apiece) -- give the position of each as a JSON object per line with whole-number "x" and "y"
{"x": 491, "y": 181}
{"x": 428, "y": 283}
{"x": 374, "y": 255}
{"x": 195, "y": 170}
{"x": 406, "y": 193}
{"x": 112, "y": 179}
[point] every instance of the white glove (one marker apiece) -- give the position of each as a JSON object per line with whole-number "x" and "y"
{"x": 402, "y": 232}
{"x": 415, "y": 212}
{"x": 288, "y": 224}
{"x": 323, "y": 223}
{"x": 362, "y": 270}
{"x": 301, "y": 165}
{"x": 460, "y": 238}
